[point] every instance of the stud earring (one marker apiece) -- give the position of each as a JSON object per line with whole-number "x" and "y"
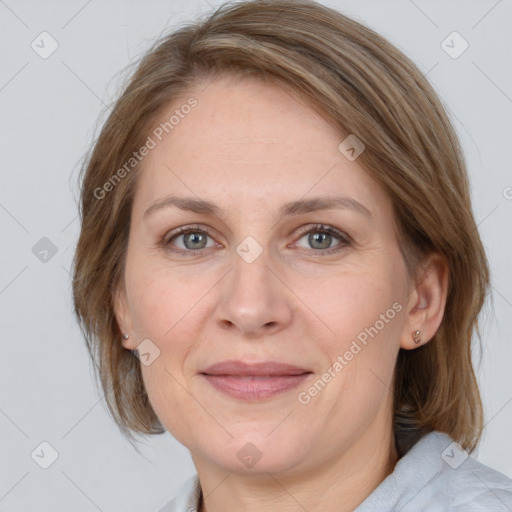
{"x": 416, "y": 336}
{"x": 125, "y": 336}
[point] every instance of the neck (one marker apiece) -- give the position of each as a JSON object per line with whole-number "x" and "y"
{"x": 340, "y": 483}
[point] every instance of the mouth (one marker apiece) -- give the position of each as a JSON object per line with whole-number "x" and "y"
{"x": 253, "y": 382}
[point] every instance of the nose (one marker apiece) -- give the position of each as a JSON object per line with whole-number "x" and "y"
{"x": 255, "y": 299}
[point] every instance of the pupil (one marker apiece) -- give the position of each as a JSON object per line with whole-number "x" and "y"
{"x": 193, "y": 237}
{"x": 323, "y": 237}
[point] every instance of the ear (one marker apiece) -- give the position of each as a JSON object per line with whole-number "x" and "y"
{"x": 124, "y": 319}
{"x": 427, "y": 301}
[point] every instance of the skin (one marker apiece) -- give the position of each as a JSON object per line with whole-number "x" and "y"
{"x": 250, "y": 147}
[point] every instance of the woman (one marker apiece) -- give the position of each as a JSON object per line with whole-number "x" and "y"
{"x": 276, "y": 221}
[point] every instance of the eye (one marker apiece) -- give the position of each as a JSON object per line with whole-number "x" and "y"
{"x": 193, "y": 238}
{"x": 320, "y": 238}
{"x": 190, "y": 240}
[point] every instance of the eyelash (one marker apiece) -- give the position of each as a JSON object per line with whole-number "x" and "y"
{"x": 345, "y": 240}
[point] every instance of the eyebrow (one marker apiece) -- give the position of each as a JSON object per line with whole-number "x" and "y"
{"x": 292, "y": 208}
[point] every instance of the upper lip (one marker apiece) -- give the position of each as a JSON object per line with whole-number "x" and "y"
{"x": 265, "y": 368}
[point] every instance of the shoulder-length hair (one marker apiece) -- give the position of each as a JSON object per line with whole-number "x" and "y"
{"x": 361, "y": 84}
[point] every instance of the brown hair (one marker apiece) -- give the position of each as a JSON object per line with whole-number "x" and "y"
{"x": 361, "y": 84}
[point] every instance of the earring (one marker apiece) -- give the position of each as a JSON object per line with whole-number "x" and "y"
{"x": 125, "y": 336}
{"x": 416, "y": 336}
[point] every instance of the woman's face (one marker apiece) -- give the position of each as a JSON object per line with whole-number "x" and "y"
{"x": 259, "y": 281}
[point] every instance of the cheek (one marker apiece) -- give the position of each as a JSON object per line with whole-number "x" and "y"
{"x": 164, "y": 308}
{"x": 354, "y": 302}
{"x": 173, "y": 405}
{"x": 367, "y": 325}
{"x": 366, "y": 312}
{"x": 160, "y": 303}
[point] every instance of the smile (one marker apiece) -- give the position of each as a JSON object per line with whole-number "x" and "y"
{"x": 254, "y": 381}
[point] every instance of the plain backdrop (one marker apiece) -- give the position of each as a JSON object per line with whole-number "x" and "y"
{"x": 49, "y": 111}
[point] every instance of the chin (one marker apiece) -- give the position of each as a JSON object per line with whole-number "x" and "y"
{"x": 260, "y": 453}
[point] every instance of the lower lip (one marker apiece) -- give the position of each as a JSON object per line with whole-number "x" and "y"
{"x": 255, "y": 388}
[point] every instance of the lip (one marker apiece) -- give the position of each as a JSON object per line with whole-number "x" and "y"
{"x": 263, "y": 369}
{"x": 254, "y": 381}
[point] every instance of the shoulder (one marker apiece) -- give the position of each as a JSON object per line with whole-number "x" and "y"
{"x": 187, "y": 499}
{"x": 437, "y": 474}
{"x": 471, "y": 485}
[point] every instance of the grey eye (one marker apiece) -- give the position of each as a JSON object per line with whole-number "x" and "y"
{"x": 322, "y": 239}
{"x": 194, "y": 240}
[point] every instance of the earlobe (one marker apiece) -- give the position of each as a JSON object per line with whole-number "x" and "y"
{"x": 427, "y": 303}
{"x": 127, "y": 343}
{"x": 123, "y": 319}
{"x": 416, "y": 337}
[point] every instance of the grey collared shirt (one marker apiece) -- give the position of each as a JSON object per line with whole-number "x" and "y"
{"x": 435, "y": 475}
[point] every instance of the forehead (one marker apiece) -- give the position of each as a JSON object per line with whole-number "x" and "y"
{"x": 249, "y": 140}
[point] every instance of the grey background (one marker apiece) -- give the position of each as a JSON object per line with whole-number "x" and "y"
{"x": 49, "y": 111}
